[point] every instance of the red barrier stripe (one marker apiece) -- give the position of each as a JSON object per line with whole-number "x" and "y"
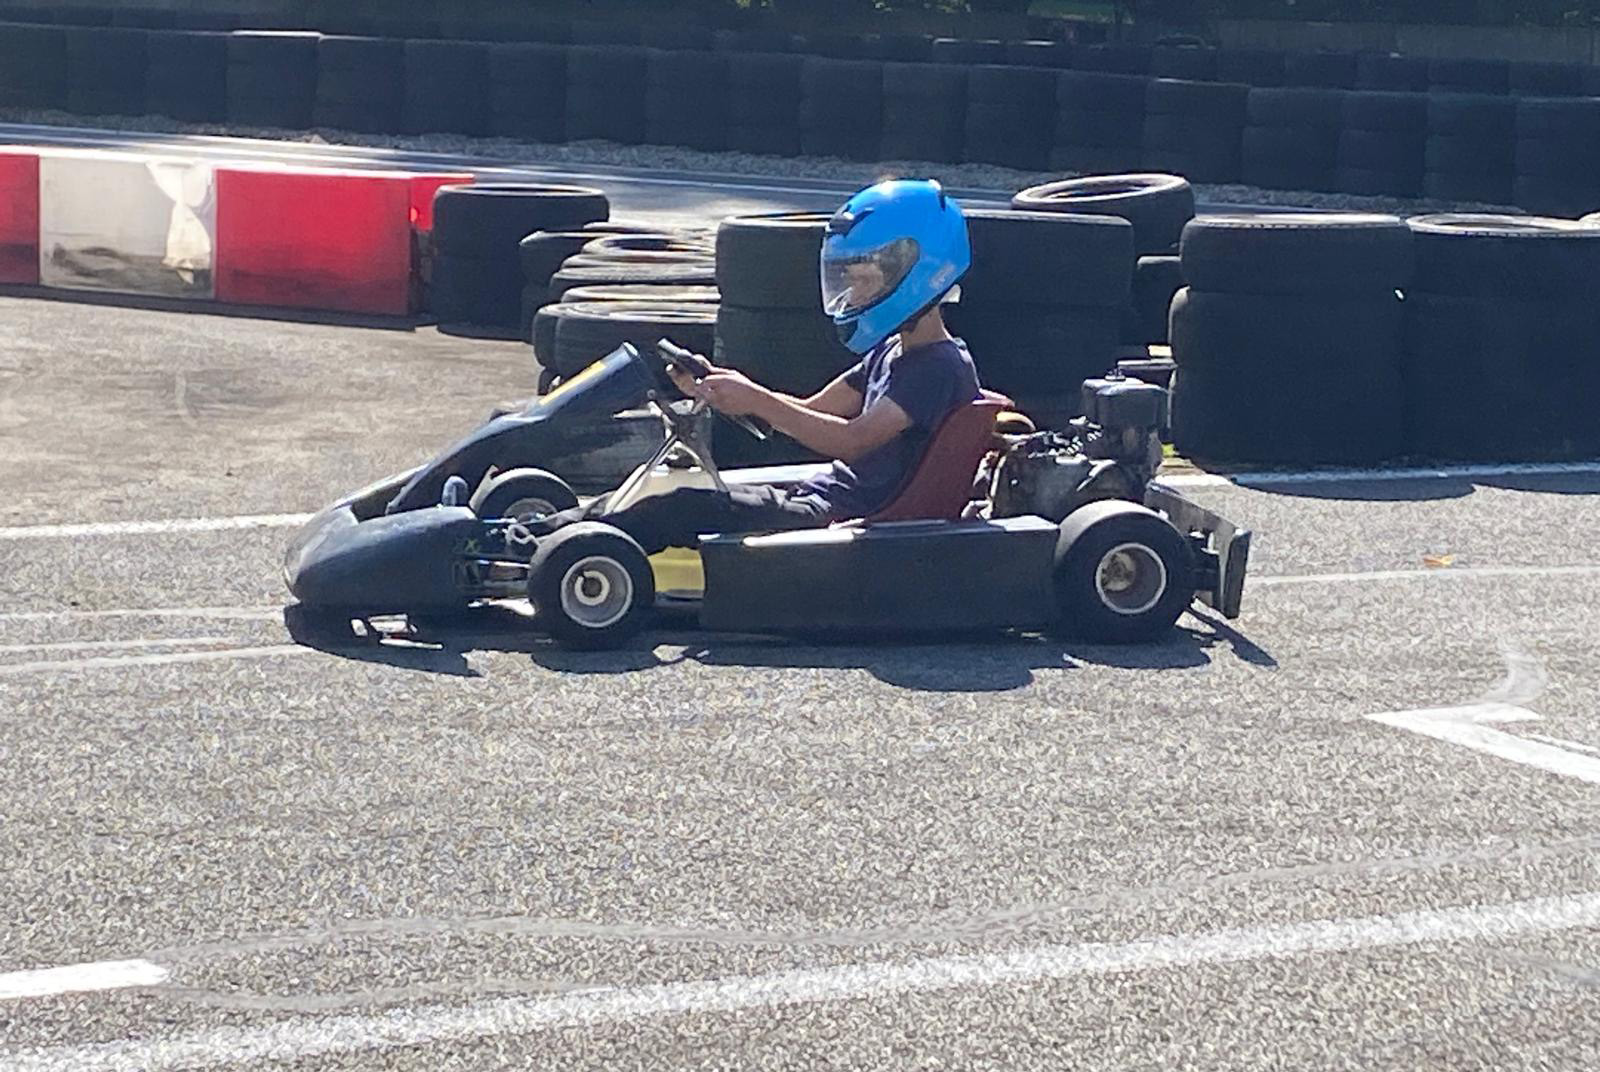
{"x": 19, "y": 217}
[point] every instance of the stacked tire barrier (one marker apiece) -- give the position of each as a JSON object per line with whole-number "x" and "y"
{"x": 606, "y": 93}
{"x": 1501, "y": 339}
{"x": 1292, "y": 142}
{"x": 1382, "y": 144}
{"x": 361, "y": 84}
{"x": 924, "y": 111}
{"x": 686, "y": 96}
{"x": 272, "y": 79}
{"x": 1195, "y": 128}
{"x": 1384, "y": 72}
{"x": 1471, "y": 152}
{"x": 841, "y": 108}
{"x": 477, "y": 268}
{"x": 106, "y": 70}
{"x": 770, "y": 324}
{"x": 1042, "y": 308}
{"x": 1158, "y": 207}
{"x": 528, "y": 92}
{"x": 1469, "y": 76}
{"x": 1288, "y": 339}
{"x": 764, "y": 102}
{"x": 1011, "y": 113}
{"x": 1320, "y": 70}
{"x": 1558, "y": 156}
{"x": 33, "y": 66}
{"x": 186, "y": 76}
{"x": 446, "y": 87}
{"x": 1099, "y": 123}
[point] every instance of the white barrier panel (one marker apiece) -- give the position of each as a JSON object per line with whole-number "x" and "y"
{"x": 127, "y": 223}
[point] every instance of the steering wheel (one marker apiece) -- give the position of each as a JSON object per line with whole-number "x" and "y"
{"x": 696, "y": 367}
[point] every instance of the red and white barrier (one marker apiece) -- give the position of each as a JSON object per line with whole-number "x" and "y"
{"x": 288, "y": 237}
{"x": 19, "y": 216}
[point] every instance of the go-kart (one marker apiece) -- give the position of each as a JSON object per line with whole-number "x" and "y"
{"x": 1067, "y": 531}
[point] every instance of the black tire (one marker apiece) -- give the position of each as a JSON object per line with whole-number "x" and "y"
{"x": 292, "y": 54}
{"x": 1289, "y": 158}
{"x": 471, "y": 291}
{"x": 1570, "y": 197}
{"x": 1212, "y": 109}
{"x": 796, "y": 351}
{"x": 620, "y": 580}
{"x": 528, "y": 91}
{"x": 1530, "y": 258}
{"x": 587, "y": 332}
{"x": 489, "y": 220}
{"x": 1114, "y": 59}
{"x": 1469, "y": 75}
{"x": 545, "y": 319}
{"x": 542, "y": 253}
{"x": 361, "y": 76}
{"x": 999, "y": 134}
{"x": 1560, "y": 159}
{"x": 751, "y": 42}
{"x": 1189, "y": 64}
{"x": 1301, "y": 254}
{"x": 1047, "y": 259}
{"x": 1329, "y": 70}
{"x": 1158, "y": 206}
{"x": 1382, "y": 150}
{"x": 265, "y": 96}
{"x": 1140, "y": 601}
{"x": 1056, "y": 55}
{"x": 1463, "y": 155}
{"x": 770, "y": 261}
{"x": 1156, "y": 281}
{"x": 1082, "y": 129}
{"x": 603, "y": 33}
{"x": 187, "y": 76}
{"x": 763, "y": 95}
{"x": 1477, "y": 116}
{"x": 1395, "y": 113}
{"x": 677, "y": 37}
{"x": 1243, "y": 334}
{"x": 606, "y": 93}
{"x": 1295, "y": 107}
{"x": 924, "y": 111}
{"x": 1206, "y": 161}
{"x": 841, "y": 108}
{"x": 106, "y": 71}
{"x": 648, "y": 248}
{"x": 1289, "y": 414}
{"x": 1501, "y": 381}
{"x": 517, "y": 493}
{"x": 1377, "y": 70}
{"x": 609, "y": 273}
{"x": 1118, "y": 94}
{"x": 1250, "y": 66}
{"x": 966, "y": 52}
{"x": 686, "y": 96}
{"x": 645, "y": 292}
{"x": 1574, "y": 120}
{"x": 1030, "y": 353}
{"x": 1534, "y": 78}
{"x": 446, "y": 87}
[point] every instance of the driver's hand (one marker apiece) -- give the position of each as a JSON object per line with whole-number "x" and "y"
{"x": 682, "y": 380}
{"x": 731, "y": 392}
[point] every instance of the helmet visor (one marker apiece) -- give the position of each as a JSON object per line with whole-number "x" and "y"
{"x": 857, "y": 281}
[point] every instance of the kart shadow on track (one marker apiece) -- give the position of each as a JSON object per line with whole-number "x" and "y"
{"x": 1435, "y": 488}
{"x": 975, "y": 664}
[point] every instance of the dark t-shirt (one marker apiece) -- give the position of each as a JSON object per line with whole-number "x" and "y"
{"x": 927, "y": 382}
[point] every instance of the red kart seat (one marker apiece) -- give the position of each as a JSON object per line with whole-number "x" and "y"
{"x": 941, "y": 485}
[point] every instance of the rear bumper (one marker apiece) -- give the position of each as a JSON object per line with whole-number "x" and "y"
{"x": 1223, "y": 546}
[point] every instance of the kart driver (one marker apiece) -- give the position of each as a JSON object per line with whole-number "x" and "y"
{"x": 890, "y": 256}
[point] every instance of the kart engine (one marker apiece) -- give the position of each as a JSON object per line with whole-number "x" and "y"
{"x": 1111, "y": 452}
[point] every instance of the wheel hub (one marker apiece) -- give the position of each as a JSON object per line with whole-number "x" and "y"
{"x": 1131, "y": 579}
{"x": 596, "y": 591}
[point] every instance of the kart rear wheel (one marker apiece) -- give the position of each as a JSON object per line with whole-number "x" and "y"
{"x": 591, "y": 586}
{"x": 522, "y": 493}
{"x": 1123, "y": 574}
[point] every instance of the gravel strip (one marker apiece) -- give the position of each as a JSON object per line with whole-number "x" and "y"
{"x": 672, "y": 158}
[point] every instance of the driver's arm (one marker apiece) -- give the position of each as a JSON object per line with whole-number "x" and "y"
{"x": 841, "y": 398}
{"x": 844, "y": 438}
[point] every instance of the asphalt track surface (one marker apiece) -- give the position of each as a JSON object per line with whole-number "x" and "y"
{"x": 224, "y": 849}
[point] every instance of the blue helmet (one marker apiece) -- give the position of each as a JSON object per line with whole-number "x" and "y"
{"x": 889, "y": 253}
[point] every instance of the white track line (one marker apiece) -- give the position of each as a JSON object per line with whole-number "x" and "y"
{"x": 146, "y": 528}
{"x": 105, "y": 661}
{"x": 305, "y": 1038}
{"x": 1454, "y": 572}
{"x": 80, "y": 978}
{"x": 115, "y": 645}
{"x": 1365, "y": 476}
{"x": 250, "y": 614}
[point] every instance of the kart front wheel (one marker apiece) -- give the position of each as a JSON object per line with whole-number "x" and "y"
{"x": 1123, "y": 574}
{"x": 522, "y": 493}
{"x": 591, "y": 586}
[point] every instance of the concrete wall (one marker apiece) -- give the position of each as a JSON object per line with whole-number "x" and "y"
{"x": 1571, "y": 45}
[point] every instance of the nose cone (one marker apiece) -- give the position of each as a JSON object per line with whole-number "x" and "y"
{"x": 387, "y": 565}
